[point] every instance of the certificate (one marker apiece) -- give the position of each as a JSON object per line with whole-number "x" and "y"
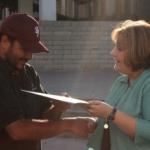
{"x": 58, "y": 97}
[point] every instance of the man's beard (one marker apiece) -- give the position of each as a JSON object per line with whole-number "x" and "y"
{"x": 17, "y": 63}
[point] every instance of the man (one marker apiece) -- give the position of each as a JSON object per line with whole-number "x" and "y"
{"x": 25, "y": 119}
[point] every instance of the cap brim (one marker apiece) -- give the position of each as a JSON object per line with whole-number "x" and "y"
{"x": 36, "y": 47}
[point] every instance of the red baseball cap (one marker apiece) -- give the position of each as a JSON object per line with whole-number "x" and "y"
{"x": 26, "y": 30}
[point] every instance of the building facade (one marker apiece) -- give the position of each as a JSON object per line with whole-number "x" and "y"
{"x": 78, "y": 9}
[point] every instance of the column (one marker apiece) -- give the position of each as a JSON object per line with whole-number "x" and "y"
{"x": 76, "y": 9}
{"x": 133, "y": 9}
{"x": 63, "y": 7}
{"x": 103, "y": 9}
{"x": 47, "y": 10}
{"x": 97, "y": 9}
{"x": 5, "y": 13}
{"x": 25, "y": 6}
{"x": 90, "y": 5}
{"x": 69, "y": 8}
{"x": 110, "y": 8}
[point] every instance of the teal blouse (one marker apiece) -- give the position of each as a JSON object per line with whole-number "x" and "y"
{"x": 134, "y": 100}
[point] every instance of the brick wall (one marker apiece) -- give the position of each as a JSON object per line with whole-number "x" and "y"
{"x": 75, "y": 45}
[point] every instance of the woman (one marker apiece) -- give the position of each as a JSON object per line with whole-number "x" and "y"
{"x": 127, "y": 106}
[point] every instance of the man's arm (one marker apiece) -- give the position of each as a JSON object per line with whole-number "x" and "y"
{"x": 39, "y": 129}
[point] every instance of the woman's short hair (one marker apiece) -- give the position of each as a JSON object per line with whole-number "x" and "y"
{"x": 134, "y": 37}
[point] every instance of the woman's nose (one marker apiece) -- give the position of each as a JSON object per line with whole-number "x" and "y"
{"x": 113, "y": 51}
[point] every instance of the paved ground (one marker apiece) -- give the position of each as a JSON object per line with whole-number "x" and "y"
{"x": 84, "y": 85}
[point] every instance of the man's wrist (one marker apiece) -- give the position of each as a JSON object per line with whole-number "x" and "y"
{"x": 68, "y": 124}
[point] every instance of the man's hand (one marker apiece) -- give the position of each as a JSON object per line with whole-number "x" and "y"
{"x": 62, "y": 106}
{"x": 81, "y": 126}
{"x": 57, "y": 109}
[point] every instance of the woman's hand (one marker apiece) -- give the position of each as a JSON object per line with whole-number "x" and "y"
{"x": 125, "y": 122}
{"x": 99, "y": 108}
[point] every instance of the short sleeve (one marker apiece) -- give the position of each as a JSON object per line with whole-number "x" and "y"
{"x": 35, "y": 78}
{"x": 143, "y": 123}
{"x": 142, "y": 131}
{"x": 43, "y": 104}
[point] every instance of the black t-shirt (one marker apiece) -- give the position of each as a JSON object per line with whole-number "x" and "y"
{"x": 14, "y": 104}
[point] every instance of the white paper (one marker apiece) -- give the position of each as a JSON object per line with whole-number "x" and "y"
{"x": 58, "y": 97}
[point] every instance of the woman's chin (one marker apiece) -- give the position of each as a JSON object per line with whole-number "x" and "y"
{"x": 116, "y": 68}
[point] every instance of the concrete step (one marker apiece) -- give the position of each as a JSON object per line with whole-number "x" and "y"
{"x": 75, "y": 45}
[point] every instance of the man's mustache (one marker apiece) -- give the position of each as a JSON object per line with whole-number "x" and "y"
{"x": 24, "y": 59}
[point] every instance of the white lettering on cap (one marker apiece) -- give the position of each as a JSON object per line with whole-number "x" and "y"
{"x": 37, "y": 31}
